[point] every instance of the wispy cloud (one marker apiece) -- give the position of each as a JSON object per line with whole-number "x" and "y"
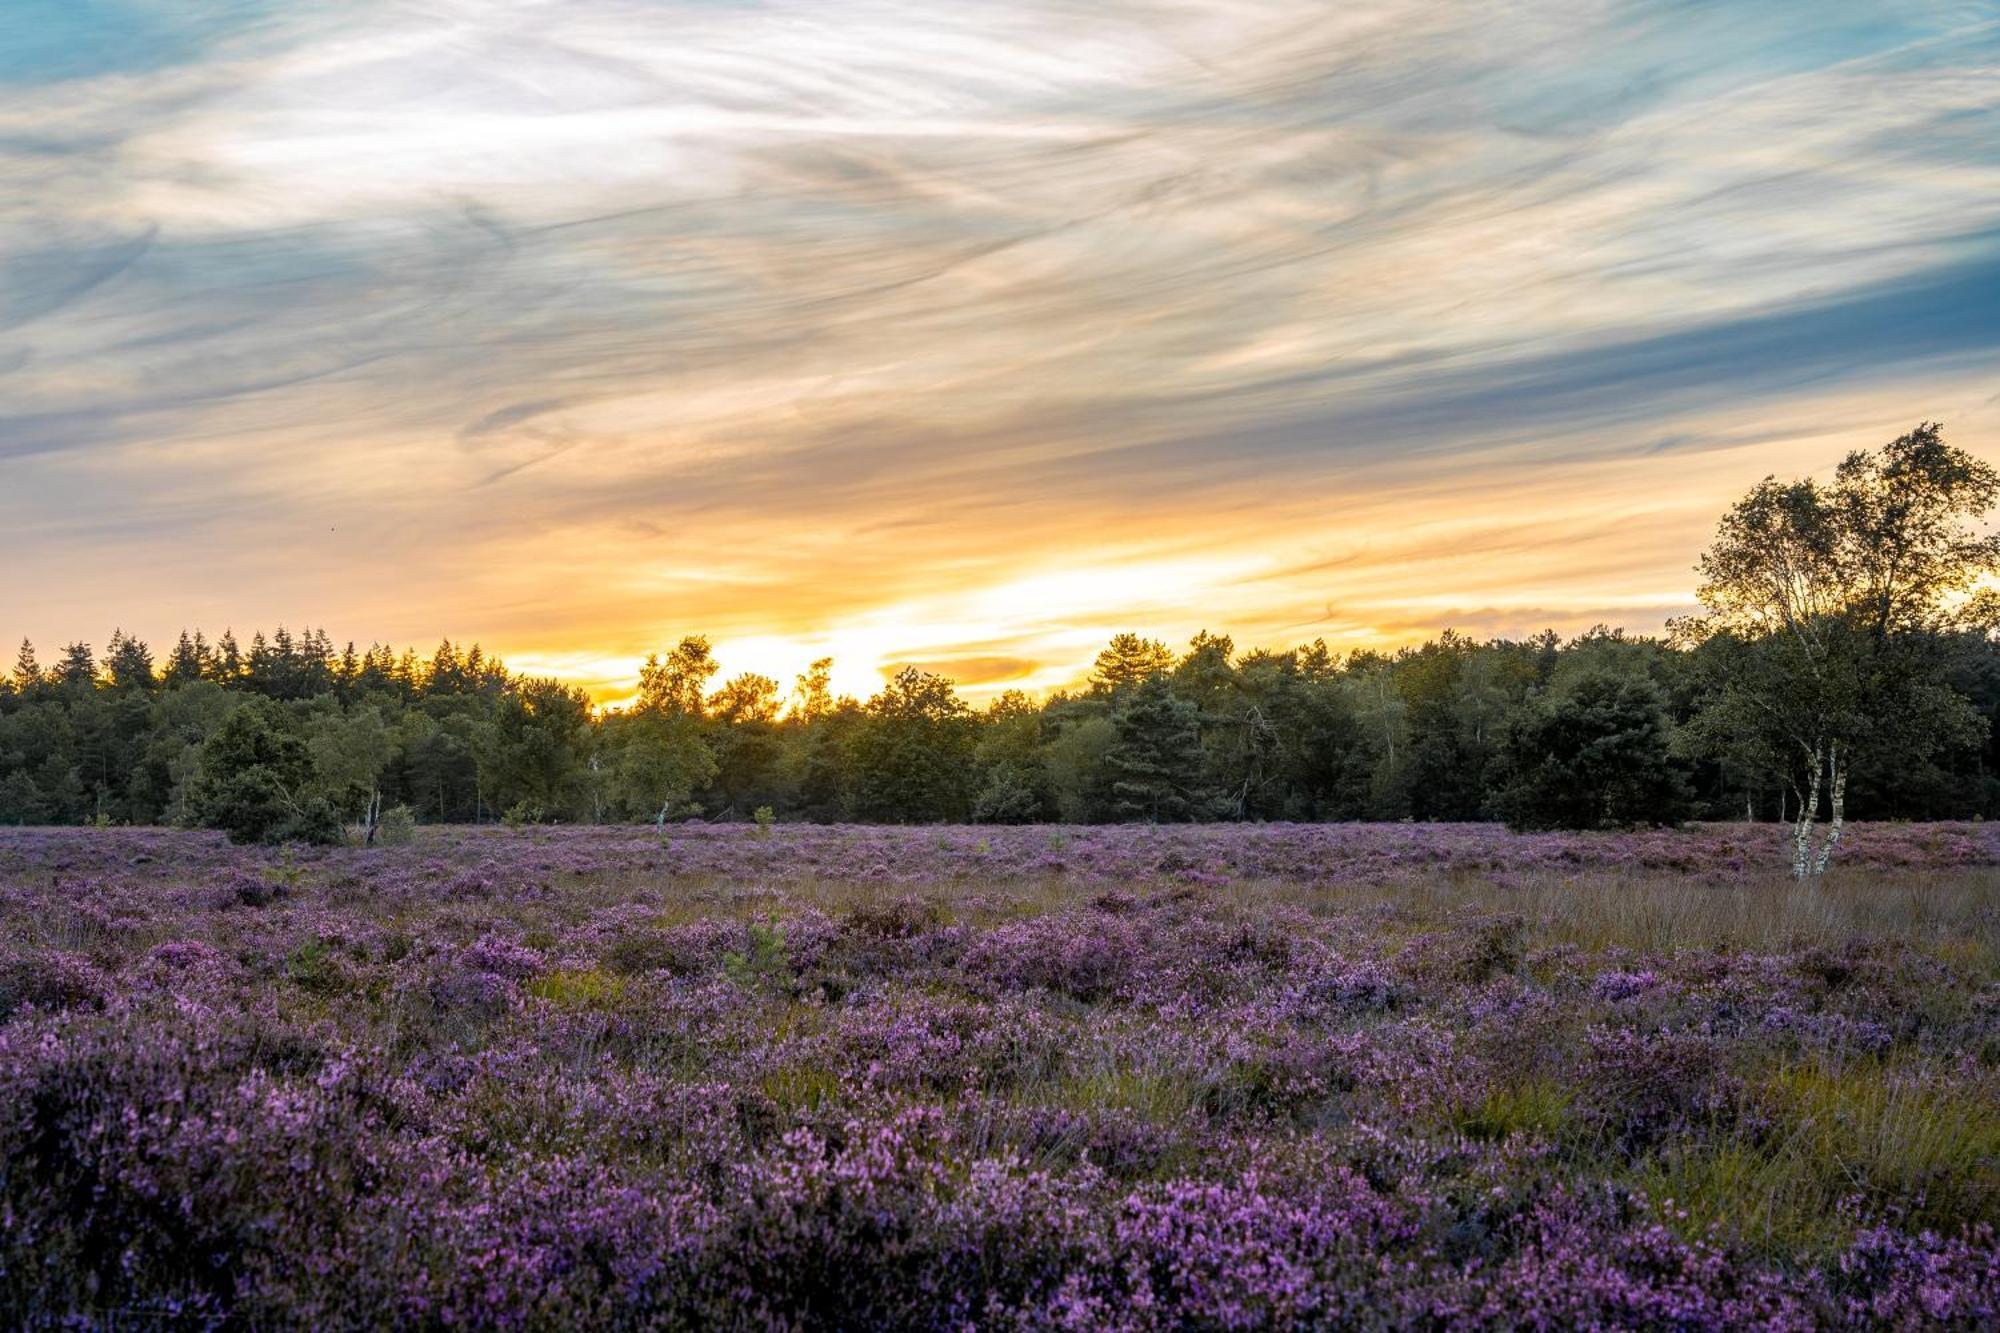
{"x": 594, "y": 321}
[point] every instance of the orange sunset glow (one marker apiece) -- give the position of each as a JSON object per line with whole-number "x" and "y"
{"x": 960, "y": 336}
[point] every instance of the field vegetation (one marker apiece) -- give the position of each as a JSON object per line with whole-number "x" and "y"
{"x": 1221, "y": 1077}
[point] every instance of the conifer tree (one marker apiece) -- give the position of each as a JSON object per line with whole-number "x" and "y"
{"x": 1156, "y": 763}
{"x": 28, "y": 678}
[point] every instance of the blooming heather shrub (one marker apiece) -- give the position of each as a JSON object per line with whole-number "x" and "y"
{"x": 1115, "y": 1140}
{"x": 1616, "y": 985}
{"x": 187, "y": 968}
{"x": 895, "y": 919}
{"x": 1642, "y": 1087}
{"x": 502, "y": 957}
{"x": 1086, "y": 957}
{"x": 1892, "y": 1279}
{"x": 1340, "y": 987}
{"x": 50, "y": 979}
{"x": 1424, "y": 1077}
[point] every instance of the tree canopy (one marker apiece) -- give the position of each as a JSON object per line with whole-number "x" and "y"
{"x": 1833, "y": 616}
{"x": 1844, "y": 663}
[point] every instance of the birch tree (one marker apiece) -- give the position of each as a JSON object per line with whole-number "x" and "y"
{"x": 1828, "y": 611}
{"x": 349, "y": 754}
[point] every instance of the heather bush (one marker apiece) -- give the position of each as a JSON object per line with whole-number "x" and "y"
{"x": 1187, "y": 1078}
{"x": 49, "y": 979}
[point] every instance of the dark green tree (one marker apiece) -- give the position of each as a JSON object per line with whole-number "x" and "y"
{"x": 129, "y": 664}
{"x": 1129, "y": 659}
{"x": 1012, "y": 783}
{"x": 1156, "y": 764}
{"x": 28, "y": 677}
{"x": 1595, "y": 754}
{"x": 744, "y": 741}
{"x": 255, "y": 781}
{"x": 536, "y": 751}
{"x": 913, "y": 755}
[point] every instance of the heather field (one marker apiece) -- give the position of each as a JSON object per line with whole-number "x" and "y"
{"x": 1253, "y": 1076}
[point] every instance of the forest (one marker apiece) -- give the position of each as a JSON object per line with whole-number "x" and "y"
{"x": 1598, "y": 729}
{"x": 1844, "y": 662}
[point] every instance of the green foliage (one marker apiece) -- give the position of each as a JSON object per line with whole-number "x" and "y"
{"x": 1536, "y": 1107}
{"x": 313, "y": 967}
{"x": 913, "y": 752}
{"x": 1603, "y": 730}
{"x": 675, "y": 687}
{"x": 764, "y": 965}
{"x": 568, "y": 988}
{"x": 656, "y": 760}
{"x": 535, "y": 751}
{"x": 287, "y": 874}
{"x": 1130, "y": 659}
{"x": 253, "y": 781}
{"x": 1594, "y": 754}
{"x": 350, "y": 752}
{"x": 1157, "y": 762}
{"x": 1832, "y": 614}
{"x": 1013, "y": 784}
{"x": 398, "y": 827}
{"x": 766, "y": 819}
{"x": 1829, "y": 1135}
{"x": 1007, "y": 798}
{"x": 796, "y": 1089}
{"x": 1076, "y": 761}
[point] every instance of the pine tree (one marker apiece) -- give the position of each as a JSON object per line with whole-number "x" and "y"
{"x": 228, "y": 659}
{"x": 76, "y": 673}
{"x": 184, "y": 663}
{"x": 1128, "y": 660}
{"x": 1156, "y": 764}
{"x": 129, "y": 663}
{"x": 314, "y": 671}
{"x": 28, "y": 678}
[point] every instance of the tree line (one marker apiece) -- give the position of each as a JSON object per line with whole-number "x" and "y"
{"x": 1844, "y": 665}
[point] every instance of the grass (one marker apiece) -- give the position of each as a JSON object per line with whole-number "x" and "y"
{"x": 1948, "y": 917}
{"x": 1533, "y": 1106}
{"x": 802, "y": 1088}
{"x": 1163, "y": 1097}
{"x": 1876, "y": 1134}
{"x": 568, "y": 988}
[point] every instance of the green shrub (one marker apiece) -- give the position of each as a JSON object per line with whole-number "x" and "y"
{"x": 313, "y": 967}
{"x": 253, "y": 771}
{"x": 397, "y": 827}
{"x": 1593, "y": 755}
{"x": 765, "y": 965}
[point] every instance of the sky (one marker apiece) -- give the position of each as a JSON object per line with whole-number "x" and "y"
{"x": 958, "y": 334}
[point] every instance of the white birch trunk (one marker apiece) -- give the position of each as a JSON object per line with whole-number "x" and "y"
{"x": 1839, "y": 795}
{"x": 1808, "y": 809}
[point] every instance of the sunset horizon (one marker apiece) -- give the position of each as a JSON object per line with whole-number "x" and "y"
{"x": 959, "y": 338}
